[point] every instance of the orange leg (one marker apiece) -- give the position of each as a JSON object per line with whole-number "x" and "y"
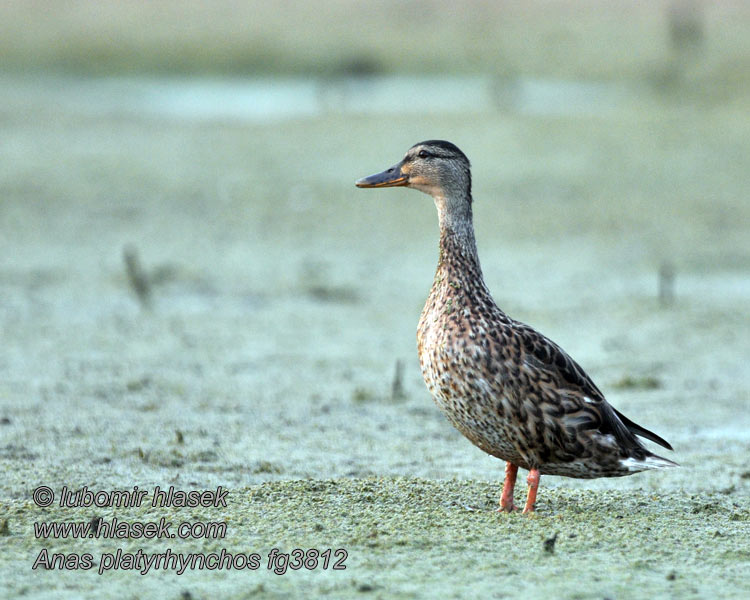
{"x": 506, "y": 500}
{"x": 533, "y": 481}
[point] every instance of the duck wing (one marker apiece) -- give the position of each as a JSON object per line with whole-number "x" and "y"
{"x": 566, "y": 374}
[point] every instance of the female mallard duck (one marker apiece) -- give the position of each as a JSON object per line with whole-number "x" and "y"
{"x": 510, "y": 390}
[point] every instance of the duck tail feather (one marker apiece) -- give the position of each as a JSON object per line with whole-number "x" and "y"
{"x": 643, "y": 432}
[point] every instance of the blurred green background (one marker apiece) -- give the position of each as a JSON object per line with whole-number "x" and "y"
{"x": 599, "y": 39}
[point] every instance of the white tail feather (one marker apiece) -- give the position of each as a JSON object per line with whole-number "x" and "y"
{"x": 650, "y": 462}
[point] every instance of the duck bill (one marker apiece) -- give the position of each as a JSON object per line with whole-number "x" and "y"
{"x": 392, "y": 177}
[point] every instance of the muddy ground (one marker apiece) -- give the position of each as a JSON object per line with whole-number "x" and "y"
{"x": 279, "y": 299}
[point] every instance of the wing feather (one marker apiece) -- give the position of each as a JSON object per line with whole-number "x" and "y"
{"x": 543, "y": 353}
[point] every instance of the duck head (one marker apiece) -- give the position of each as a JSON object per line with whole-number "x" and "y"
{"x": 435, "y": 167}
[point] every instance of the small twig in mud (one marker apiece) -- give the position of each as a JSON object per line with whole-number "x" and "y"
{"x": 666, "y": 284}
{"x": 137, "y": 277}
{"x": 96, "y": 523}
{"x": 397, "y": 387}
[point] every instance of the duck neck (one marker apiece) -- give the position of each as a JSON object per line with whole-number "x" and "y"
{"x": 458, "y": 246}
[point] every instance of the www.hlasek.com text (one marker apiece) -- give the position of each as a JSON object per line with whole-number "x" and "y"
{"x": 114, "y": 528}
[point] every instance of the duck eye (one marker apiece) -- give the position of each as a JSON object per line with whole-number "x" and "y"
{"x": 423, "y": 154}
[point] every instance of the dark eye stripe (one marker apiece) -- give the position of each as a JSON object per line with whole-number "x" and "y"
{"x": 428, "y": 154}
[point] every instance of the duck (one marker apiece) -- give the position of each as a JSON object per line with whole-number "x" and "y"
{"x": 511, "y": 391}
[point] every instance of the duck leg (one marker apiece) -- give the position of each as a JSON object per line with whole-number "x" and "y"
{"x": 506, "y": 499}
{"x": 533, "y": 481}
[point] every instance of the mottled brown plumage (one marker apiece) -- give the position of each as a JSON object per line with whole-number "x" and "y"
{"x": 511, "y": 391}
